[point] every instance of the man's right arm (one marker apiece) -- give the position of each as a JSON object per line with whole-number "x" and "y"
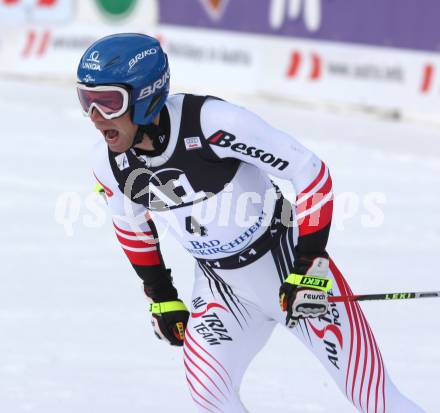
{"x": 136, "y": 233}
{"x": 138, "y": 238}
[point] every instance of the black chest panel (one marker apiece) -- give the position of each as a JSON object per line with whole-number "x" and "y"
{"x": 192, "y": 173}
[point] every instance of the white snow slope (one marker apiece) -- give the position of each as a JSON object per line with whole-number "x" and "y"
{"x": 74, "y": 327}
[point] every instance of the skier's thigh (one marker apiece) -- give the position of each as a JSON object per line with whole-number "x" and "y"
{"x": 221, "y": 339}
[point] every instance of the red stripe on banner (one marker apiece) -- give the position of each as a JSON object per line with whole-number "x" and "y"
{"x": 314, "y": 182}
{"x": 186, "y": 355}
{"x": 315, "y": 74}
{"x": 30, "y": 40}
{"x": 428, "y": 75}
{"x": 126, "y": 232}
{"x": 43, "y": 44}
{"x": 198, "y": 394}
{"x": 47, "y": 3}
{"x": 160, "y": 39}
{"x": 199, "y": 381}
{"x": 341, "y": 283}
{"x": 143, "y": 258}
{"x": 294, "y": 64}
{"x": 210, "y": 355}
{"x": 136, "y": 243}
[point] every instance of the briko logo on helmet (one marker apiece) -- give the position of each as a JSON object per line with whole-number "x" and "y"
{"x": 157, "y": 85}
{"x": 140, "y": 56}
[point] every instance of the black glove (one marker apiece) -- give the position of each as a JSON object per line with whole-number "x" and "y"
{"x": 169, "y": 320}
{"x": 304, "y": 293}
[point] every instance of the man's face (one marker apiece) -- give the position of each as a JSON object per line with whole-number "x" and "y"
{"x": 118, "y": 133}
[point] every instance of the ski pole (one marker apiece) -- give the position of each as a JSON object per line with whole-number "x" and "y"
{"x": 325, "y": 284}
{"x": 386, "y": 296}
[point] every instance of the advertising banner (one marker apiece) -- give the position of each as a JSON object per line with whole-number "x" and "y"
{"x": 45, "y": 38}
{"x": 375, "y": 54}
{"x": 381, "y": 54}
{"x": 15, "y": 12}
{"x": 408, "y": 24}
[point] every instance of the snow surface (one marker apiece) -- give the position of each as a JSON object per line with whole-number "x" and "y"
{"x": 74, "y": 327}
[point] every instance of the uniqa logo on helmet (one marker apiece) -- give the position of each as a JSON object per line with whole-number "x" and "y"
{"x": 157, "y": 85}
{"x": 92, "y": 63}
{"x": 140, "y": 56}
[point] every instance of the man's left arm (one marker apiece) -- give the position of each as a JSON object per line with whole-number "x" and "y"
{"x": 245, "y": 136}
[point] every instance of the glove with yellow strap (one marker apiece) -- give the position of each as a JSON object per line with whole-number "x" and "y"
{"x": 169, "y": 320}
{"x": 305, "y": 295}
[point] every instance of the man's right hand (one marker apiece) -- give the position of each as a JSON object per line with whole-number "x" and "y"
{"x": 169, "y": 320}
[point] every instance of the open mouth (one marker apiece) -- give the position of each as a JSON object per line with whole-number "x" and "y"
{"x": 111, "y": 135}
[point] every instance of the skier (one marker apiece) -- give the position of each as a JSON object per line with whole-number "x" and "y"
{"x": 201, "y": 165}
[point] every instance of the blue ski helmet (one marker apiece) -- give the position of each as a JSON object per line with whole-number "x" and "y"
{"x": 135, "y": 61}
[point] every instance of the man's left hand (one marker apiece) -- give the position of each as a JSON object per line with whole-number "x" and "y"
{"x": 305, "y": 296}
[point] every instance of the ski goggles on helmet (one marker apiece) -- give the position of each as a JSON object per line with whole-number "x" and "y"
{"x": 111, "y": 101}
